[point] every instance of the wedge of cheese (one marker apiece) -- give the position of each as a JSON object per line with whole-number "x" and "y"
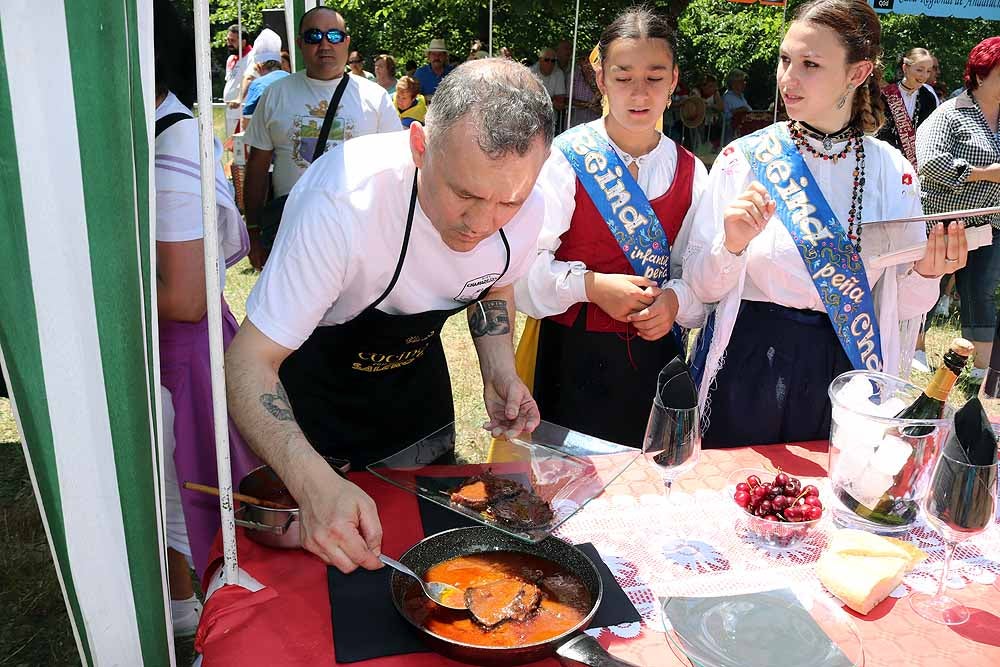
{"x": 861, "y": 569}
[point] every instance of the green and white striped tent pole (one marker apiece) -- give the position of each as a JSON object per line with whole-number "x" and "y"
{"x": 78, "y": 341}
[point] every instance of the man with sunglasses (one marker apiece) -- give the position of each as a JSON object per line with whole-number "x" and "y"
{"x": 290, "y": 112}
{"x": 437, "y": 68}
{"x": 553, "y": 79}
{"x": 341, "y": 354}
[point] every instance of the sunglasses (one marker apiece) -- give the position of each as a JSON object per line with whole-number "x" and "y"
{"x": 315, "y": 36}
{"x": 548, "y": 60}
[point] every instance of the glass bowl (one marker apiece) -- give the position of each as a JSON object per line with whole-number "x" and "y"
{"x": 767, "y": 533}
{"x": 779, "y": 627}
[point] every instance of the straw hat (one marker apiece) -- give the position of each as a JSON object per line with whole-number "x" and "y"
{"x": 437, "y": 45}
{"x": 692, "y": 111}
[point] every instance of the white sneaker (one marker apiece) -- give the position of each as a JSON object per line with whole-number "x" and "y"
{"x": 185, "y": 614}
{"x": 919, "y": 362}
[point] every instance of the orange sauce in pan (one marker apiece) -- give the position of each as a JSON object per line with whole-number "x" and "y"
{"x": 562, "y": 608}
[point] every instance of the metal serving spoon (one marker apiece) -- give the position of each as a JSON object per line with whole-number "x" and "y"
{"x": 445, "y": 595}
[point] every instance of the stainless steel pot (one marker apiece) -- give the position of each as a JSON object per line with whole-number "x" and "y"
{"x": 267, "y": 526}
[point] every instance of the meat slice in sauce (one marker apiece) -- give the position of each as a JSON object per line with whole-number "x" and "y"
{"x": 478, "y": 492}
{"x": 524, "y": 510}
{"x": 502, "y": 600}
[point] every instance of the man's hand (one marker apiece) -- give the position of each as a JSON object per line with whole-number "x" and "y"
{"x": 233, "y": 105}
{"x": 655, "y": 321}
{"x": 620, "y": 295}
{"x": 746, "y": 217}
{"x": 946, "y": 252}
{"x": 338, "y": 521}
{"x": 258, "y": 254}
{"x": 509, "y": 405}
{"x": 508, "y": 402}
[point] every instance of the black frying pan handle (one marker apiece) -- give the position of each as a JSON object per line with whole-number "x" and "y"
{"x": 585, "y": 650}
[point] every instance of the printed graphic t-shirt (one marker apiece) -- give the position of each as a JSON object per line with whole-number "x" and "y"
{"x": 289, "y": 116}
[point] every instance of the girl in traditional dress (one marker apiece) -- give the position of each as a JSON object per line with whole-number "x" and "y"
{"x": 778, "y": 243}
{"x": 908, "y": 103}
{"x": 606, "y": 282}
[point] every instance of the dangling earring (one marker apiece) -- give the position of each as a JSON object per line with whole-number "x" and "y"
{"x": 670, "y": 98}
{"x": 843, "y": 99}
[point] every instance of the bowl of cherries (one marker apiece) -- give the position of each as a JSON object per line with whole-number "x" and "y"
{"x": 775, "y": 509}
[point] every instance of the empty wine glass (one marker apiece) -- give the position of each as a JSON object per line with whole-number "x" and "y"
{"x": 961, "y": 503}
{"x": 672, "y": 443}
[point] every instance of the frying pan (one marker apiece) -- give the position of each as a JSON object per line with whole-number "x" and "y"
{"x": 573, "y": 647}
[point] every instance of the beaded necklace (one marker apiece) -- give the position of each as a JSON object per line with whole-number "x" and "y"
{"x": 828, "y": 138}
{"x": 855, "y": 142}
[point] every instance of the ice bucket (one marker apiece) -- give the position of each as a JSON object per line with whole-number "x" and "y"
{"x": 880, "y": 466}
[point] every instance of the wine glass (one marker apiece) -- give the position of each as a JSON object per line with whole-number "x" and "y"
{"x": 961, "y": 503}
{"x": 672, "y": 443}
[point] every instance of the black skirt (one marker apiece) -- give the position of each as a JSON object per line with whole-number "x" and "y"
{"x": 773, "y": 385}
{"x": 597, "y": 383}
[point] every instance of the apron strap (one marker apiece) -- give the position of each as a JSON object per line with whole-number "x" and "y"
{"x": 406, "y": 242}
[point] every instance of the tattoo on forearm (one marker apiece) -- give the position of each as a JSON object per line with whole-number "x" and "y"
{"x": 489, "y": 318}
{"x": 277, "y": 404}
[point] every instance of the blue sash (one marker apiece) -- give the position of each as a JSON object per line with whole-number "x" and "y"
{"x": 831, "y": 259}
{"x": 620, "y": 201}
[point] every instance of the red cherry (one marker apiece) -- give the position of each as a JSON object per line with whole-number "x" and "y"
{"x": 779, "y": 503}
{"x": 814, "y": 513}
{"x": 759, "y": 493}
{"x": 792, "y": 513}
{"x": 753, "y": 480}
{"x": 770, "y": 517}
{"x": 742, "y": 498}
{"x": 814, "y": 501}
{"x": 765, "y": 507}
{"x": 793, "y": 487}
{"x": 743, "y": 486}
{"x": 810, "y": 490}
{"x": 781, "y": 479}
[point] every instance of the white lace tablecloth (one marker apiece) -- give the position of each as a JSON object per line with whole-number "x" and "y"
{"x": 637, "y": 529}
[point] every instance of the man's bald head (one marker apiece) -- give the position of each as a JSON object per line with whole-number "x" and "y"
{"x": 316, "y": 10}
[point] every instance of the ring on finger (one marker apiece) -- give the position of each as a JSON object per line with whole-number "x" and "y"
{"x": 949, "y": 260}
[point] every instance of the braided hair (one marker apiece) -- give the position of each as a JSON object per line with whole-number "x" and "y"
{"x": 860, "y": 33}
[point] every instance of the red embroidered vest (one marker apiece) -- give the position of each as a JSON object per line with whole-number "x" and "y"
{"x": 589, "y": 240}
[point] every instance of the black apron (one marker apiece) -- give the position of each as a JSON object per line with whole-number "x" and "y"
{"x": 369, "y": 387}
{"x": 599, "y": 383}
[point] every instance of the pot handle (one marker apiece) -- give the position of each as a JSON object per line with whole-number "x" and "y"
{"x": 261, "y": 527}
{"x": 585, "y": 650}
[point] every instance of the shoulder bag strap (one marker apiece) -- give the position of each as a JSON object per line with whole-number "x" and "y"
{"x": 331, "y": 111}
{"x": 170, "y": 119}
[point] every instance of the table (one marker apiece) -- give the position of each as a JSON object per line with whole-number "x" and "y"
{"x": 288, "y": 622}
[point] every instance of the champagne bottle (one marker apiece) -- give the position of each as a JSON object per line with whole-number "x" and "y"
{"x": 891, "y": 510}
{"x": 930, "y": 404}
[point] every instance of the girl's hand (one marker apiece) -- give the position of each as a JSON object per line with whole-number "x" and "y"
{"x": 746, "y": 217}
{"x": 620, "y": 295}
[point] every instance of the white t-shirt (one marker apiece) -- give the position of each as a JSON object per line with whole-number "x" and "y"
{"x": 555, "y": 83}
{"x": 290, "y": 114}
{"x": 340, "y": 240}
{"x": 178, "y": 190}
